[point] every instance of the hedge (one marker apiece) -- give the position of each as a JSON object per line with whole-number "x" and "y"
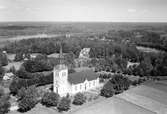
{"x": 40, "y": 80}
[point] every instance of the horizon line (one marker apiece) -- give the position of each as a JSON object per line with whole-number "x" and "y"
{"x": 90, "y": 21}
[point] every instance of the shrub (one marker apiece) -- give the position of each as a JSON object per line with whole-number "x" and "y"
{"x": 107, "y": 90}
{"x": 79, "y": 99}
{"x": 50, "y": 99}
{"x": 141, "y": 80}
{"x": 134, "y": 83}
{"x": 95, "y": 97}
{"x": 90, "y": 98}
{"x": 64, "y": 104}
{"x": 71, "y": 70}
{"x": 105, "y": 76}
{"x": 38, "y": 80}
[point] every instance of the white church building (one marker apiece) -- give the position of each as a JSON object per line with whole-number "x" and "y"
{"x": 73, "y": 83}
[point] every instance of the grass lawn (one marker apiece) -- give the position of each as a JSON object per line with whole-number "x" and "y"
{"x": 150, "y": 92}
{"x": 11, "y": 56}
{"x": 39, "y": 109}
{"x": 113, "y": 105}
{"x": 160, "y": 85}
{"x": 15, "y": 64}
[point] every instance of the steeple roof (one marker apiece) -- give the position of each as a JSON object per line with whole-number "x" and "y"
{"x": 61, "y": 57}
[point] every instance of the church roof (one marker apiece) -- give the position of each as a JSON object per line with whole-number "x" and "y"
{"x": 80, "y": 77}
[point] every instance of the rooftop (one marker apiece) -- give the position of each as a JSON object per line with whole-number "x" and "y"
{"x": 80, "y": 77}
{"x": 60, "y": 67}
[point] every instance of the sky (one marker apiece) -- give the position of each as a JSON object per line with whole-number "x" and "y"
{"x": 84, "y": 10}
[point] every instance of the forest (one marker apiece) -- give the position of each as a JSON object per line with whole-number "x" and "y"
{"x": 106, "y": 55}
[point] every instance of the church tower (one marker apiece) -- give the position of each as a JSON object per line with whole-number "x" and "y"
{"x": 60, "y": 76}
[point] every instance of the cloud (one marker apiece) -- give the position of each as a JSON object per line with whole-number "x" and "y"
{"x": 2, "y": 7}
{"x": 145, "y": 11}
{"x": 28, "y": 9}
{"x": 132, "y": 10}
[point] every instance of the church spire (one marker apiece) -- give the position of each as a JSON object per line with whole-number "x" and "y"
{"x": 61, "y": 55}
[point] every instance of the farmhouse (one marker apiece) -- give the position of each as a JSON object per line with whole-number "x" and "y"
{"x": 65, "y": 83}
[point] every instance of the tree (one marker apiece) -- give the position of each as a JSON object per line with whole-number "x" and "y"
{"x": 36, "y": 65}
{"x": 107, "y": 90}
{"x": 79, "y": 99}
{"x": 14, "y": 86}
{"x": 69, "y": 60}
{"x": 12, "y": 69}
{"x": 19, "y": 56}
{"x": 22, "y": 73}
{"x": 64, "y": 104}
{"x": 120, "y": 83}
{"x": 115, "y": 85}
{"x": 1, "y": 92}
{"x": 50, "y": 99}
{"x": 47, "y": 47}
{"x": 3, "y": 59}
{"x": 41, "y": 57}
{"x": 160, "y": 67}
{"x": 1, "y": 72}
{"x": 144, "y": 68}
{"x": 22, "y": 93}
{"x": 28, "y": 98}
{"x": 4, "y": 104}
{"x": 26, "y": 104}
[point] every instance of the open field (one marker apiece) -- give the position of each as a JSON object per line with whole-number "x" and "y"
{"x": 147, "y": 50}
{"x": 15, "y": 64}
{"x": 25, "y": 30}
{"x": 113, "y": 105}
{"x": 159, "y": 85}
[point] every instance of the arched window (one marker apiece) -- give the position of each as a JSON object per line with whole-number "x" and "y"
{"x": 89, "y": 84}
{"x": 80, "y": 87}
{"x": 64, "y": 74}
{"x": 94, "y": 82}
{"x": 75, "y": 87}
